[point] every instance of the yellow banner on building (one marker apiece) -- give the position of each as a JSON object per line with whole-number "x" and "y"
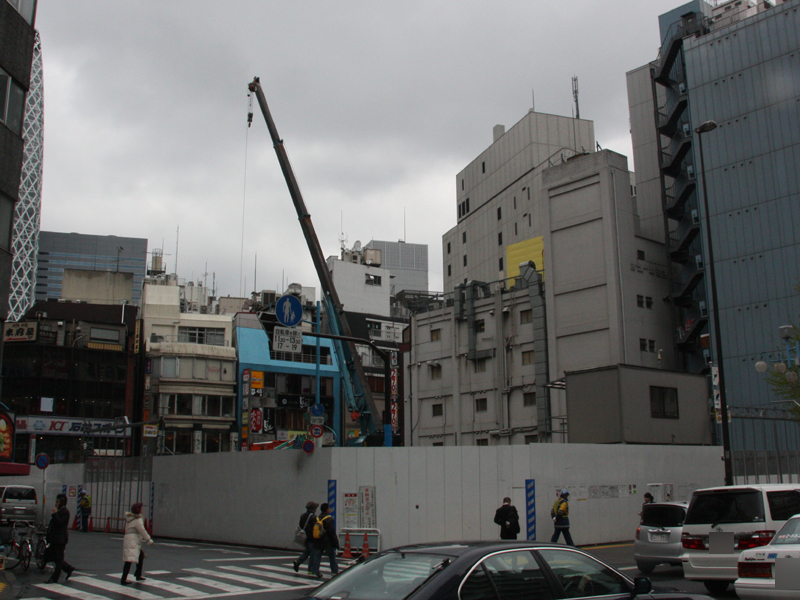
{"x": 521, "y": 252}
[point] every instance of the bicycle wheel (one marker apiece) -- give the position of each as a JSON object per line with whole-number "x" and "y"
{"x": 25, "y": 555}
{"x": 41, "y": 561}
{"x": 12, "y": 555}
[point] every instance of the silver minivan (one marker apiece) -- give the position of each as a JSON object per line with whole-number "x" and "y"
{"x": 658, "y": 538}
{"x": 18, "y": 503}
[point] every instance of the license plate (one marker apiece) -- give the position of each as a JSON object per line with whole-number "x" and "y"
{"x": 659, "y": 537}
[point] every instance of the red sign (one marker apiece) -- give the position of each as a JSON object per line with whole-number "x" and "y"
{"x": 316, "y": 431}
{"x": 256, "y": 420}
{"x": 394, "y": 416}
{"x": 394, "y": 383}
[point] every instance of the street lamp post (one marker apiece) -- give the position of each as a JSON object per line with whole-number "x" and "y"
{"x": 723, "y": 402}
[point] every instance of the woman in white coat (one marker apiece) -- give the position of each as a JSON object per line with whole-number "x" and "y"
{"x": 135, "y": 534}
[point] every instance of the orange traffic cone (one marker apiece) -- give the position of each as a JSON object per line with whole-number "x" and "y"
{"x": 91, "y": 524}
{"x": 347, "y": 552}
{"x": 365, "y": 550}
{"x": 148, "y": 527}
{"x": 108, "y": 525}
{"x": 75, "y": 522}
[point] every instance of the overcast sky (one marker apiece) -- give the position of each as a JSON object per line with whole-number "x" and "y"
{"x": 380, "y": 105}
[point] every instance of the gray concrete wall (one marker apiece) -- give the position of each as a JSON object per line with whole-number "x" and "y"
{"x": 422, "y": 494}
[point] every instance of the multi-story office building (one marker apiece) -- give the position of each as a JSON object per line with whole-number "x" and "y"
{"x": 490, "y": 362}
{"x": 736, "y": 65}
{"x": 408, "y": 264}
{"x": 59, "y": 252}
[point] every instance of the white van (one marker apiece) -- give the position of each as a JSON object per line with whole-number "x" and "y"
{"x": 723, "y": 521}
{"x": 18, "y": 503}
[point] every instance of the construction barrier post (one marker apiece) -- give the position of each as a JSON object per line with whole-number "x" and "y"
{"x": 91, "y": 524}
{"x": 108, "y": 525}
{"x": 347, "y": 552}
{"x": 365, "y": 549}
{"x": 75, "y": 522}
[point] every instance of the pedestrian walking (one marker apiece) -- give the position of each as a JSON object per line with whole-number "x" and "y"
{"x": 305, "y": 530}
{"x": 58, "y": 536}
{"x": 508, "y": 518}
{"x": 324, "y": 540}
{"x": 85, "y": 504}
{"x": 135, "y": 535}
{"x": 560, "y": 514}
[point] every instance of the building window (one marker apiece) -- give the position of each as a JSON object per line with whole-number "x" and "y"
{"x": 169, "y": 366}
{"x": 482, "y": 442}
{"x": 500, "y": 264}
{"x": 437, "y": 410}
{"x": 462, "y": 185}
{"x": 642, "y": 345}
{"x": 374, "y": 328}
{"x": 499, "y": 213}
{"x": 640, "y": 301}
{"x": 480, "y": 326}
{"x": 436, "y": 371}
{"x": 449, "y": 270}
{"x": 448, "y": 247}
{"x": 648, "y": 302}
{"x": 527, "y": 357}
{"x": 183, "y": 405}
{"x": 480, "y": 365}
{"x": 483, "y": 167}
{"x": 437, "y": 444}
{"x": 463, "y": 237}
{"x": 531, "y": 439}
{"x": 515, "y": 229}
{"x": 373, "y": 279}
{"x": 460, "y": 206}
{"x": 500, "y": 239}
{"x": 466, "y": 202}
{"x": 12, "y": 103}
{"x": 481, "y": 405}
{"x": 529, "y": 399}
{"x": 98, "y": 334}
{"x": 640, "y": 255}
{"x": 651, "y": 345}
{"x": 211, "y": 336}
{"x": 526, "y": 316}
{"x": 6, "y": 221}
{"x": 515, "y": 203}
{"x": 465, "y": 260}
{"x": 436, "y": 335}
{"x": 663, "y": 402}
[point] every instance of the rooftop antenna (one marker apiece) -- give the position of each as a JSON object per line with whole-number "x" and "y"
{"x": 342, "y": 236}
{"x": 255, "y": 273}
{"x": 533, "y": 100}
{"x": 575, "y": 96}
{"x": 404, "y": 223}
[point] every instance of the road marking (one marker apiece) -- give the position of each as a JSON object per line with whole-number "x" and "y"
{"x": 295, "y": 577}
{"x": 239, "y": 578}
{"x": 116, "y": 587}
{"x": 591, "y": 548}
{"x": 249, "y": 558}
{"x": 217, "y": 585}
{"x": 173, "y": 545}
{"x": 69, "y": 592}
{"x": 180, "y": 590}
{"x": 223, "y": 550}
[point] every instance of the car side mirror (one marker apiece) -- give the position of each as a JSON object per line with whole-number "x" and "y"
{"x": 641, "y": 585}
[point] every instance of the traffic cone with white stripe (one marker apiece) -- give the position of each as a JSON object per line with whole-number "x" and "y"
{"x": 347, "y": 552}
{"x": 365, "y": 549}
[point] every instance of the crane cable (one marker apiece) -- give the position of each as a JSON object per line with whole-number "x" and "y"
{"x": 244, "y": 186}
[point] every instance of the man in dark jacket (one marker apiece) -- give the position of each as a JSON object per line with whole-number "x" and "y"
{"x": 508, "y": 518}
{"x": 328, "y": 542}
{"x": 57, "y": 537}
{"x": 306, "y": 523}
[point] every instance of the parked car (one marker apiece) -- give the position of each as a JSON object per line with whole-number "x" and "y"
{"x": 487, "y": 571}
{"x": 750, "y": 514}
{"x": 18, "y": 503}
{"x": 758, "y": 574}
{"x": 658, "y": 537}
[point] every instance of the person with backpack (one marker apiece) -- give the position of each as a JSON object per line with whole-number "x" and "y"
{"x": 508, "y": 518}
{"x": 85, "y": 504}
{"x": 560, "y": 514}
{"x": 305, "y": 530}
{"x": 324, "y": 539}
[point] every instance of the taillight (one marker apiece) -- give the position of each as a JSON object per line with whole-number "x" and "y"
{"x": 693, "y": 542}
{"x": 758, "y": 570}
{"x": 638, "y": 532}
{"x": 754, "y": 540}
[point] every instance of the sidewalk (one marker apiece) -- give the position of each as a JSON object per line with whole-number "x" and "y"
{"x": 9, "y": 586}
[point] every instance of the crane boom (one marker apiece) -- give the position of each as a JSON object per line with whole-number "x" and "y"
{"x": 364, "y": 404}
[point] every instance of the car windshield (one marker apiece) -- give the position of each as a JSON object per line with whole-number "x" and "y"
{"x": 20, "y": 493}
{"x": 656, "y": 515}
{"x": 737, "y": 506}
{"x": 392, "y": 576}
{"x": 789, "y": 534}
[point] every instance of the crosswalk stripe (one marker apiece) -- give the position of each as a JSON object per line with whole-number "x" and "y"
{"x": 180, "y": 590}
{"x": 217, "y": 585}
{"x": 276, "y": 568}
{"x": 240, "y": 579}
{"x": 69, "y": 592}
{"x": 115, "y": 587}
{"x": 247, "y": 558}
{"x": 272, "y": 572}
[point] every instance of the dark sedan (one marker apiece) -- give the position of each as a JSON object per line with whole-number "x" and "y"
{"x": 486, "y": 571}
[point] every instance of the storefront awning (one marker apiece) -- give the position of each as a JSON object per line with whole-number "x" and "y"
{"x": 14, "y": 469}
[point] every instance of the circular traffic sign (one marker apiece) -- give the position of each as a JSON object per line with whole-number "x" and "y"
{"x": 316, "y": 431}
{"x": 288, "y": 310}
{"x": 317, "y": 410}
{"x": 308, "y": 446}
{"x": 42, "y": 460}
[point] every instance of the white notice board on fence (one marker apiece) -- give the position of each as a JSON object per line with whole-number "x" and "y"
{"x": 366, "y": 507}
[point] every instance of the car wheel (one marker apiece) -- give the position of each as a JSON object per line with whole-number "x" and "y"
{"x": 716, "y": 587}
{"x": 645, "y": 568}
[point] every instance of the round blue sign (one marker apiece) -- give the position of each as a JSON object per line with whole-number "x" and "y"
{"x": 317, "y": 410}
{"x": 308, "y": 446}
{"x": 289, "y": 310}
{"x": 42, "y": 460}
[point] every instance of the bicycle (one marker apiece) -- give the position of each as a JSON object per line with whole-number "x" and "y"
{"x": 17, "y": 551}
{"x": 41, "y": 546}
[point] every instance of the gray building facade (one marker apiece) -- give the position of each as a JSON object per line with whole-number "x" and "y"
{"x": 82, "y": 252}
{"x": 736, "y": 64}
{"x": 408, "y": 264}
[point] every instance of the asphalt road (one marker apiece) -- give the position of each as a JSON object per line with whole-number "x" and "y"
{"x": 198, "y": 570}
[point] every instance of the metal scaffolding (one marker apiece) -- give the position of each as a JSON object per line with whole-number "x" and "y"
{"x": 25, "y": 243}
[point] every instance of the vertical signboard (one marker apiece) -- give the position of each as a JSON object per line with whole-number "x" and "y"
{"x": 530, "y": 508}
{"x": 366, "y": 507}
{"x": 350, "y": 511}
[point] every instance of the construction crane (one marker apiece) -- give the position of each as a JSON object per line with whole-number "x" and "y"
{"x": 357, "y": 393}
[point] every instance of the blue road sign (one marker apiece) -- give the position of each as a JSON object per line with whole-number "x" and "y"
{"x": 308, "y": 446}
{"x": 317, "y": 410}
{"x": 42, "y": 460}
{"x": 288, "y": 310}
